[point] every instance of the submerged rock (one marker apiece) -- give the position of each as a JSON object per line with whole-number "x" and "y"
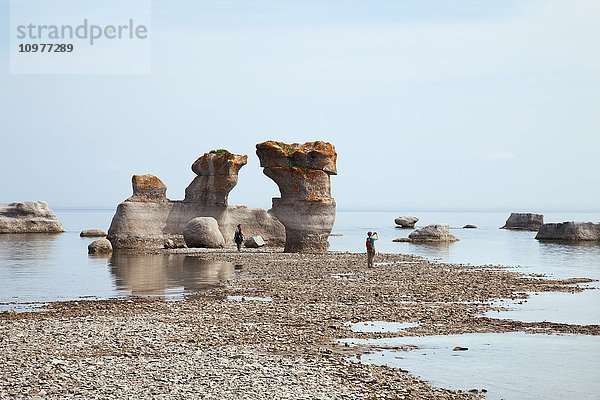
{"x": 306, "y": 208}
{"x": 524, "y": 221}
{"x": 28, "y": 217}
{"x": 430, "y": 233}
{"x": 406, "y": 222}
{"x": 93, "y": 233}
{"x": 100, "y": 246}
{"x": 203, "y": 232}
{"x": 570, "y": 231}
{"x": 254, "y": 242}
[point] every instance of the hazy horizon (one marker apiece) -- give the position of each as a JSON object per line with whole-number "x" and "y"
{"x": 471, "y": 105}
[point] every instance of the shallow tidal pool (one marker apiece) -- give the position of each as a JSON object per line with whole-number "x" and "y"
{"x": 509, "y": 366}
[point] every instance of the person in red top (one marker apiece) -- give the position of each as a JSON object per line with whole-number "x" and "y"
{"x": 371, "y": 238}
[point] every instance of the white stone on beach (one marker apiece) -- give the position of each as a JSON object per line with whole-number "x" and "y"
{"x": 203, "y": 232}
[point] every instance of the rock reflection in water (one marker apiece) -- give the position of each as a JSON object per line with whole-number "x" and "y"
{"x": 174, "y": 274}
{"x": 27, "y": 249}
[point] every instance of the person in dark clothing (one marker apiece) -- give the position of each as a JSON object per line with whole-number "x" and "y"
{"x": 239, "y": 237}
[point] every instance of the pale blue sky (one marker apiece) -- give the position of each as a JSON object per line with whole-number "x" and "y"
{"x": 431, "y": 105}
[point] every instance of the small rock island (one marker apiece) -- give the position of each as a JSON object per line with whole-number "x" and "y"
{"x": 149, "y": 219}
{"x": 524, "y": 221}
{"x": 301, "y": 219}
{"x": 29, "y": 217}
{"x": 570, "y": 231}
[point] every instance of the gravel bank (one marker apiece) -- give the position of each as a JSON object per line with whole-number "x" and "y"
{"x": 211, "y": 347}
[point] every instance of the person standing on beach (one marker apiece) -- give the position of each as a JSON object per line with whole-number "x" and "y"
{"x": 371, "y": 238}
{"x": 239, "y": 237}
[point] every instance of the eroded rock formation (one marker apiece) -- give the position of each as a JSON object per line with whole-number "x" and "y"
{"x": 217, "y": 176}
{"x": 28, "y": 217}
{"x": 150, "y": 219}
{"x": 302, "y": 173}
{"x": 524, "y": 221}
{"x": 570, "y": 231}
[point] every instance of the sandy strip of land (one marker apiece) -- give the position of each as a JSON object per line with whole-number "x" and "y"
{"x": 210, "y": 347}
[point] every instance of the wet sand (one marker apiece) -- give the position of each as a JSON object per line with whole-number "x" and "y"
{"x": 212, "y": 347}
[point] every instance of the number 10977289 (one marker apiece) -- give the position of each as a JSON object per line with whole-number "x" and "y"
{"x": 45, "y": 48}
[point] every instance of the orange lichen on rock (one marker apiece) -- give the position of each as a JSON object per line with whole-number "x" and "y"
{"x": 297, "y": 183}
{"x": 219, "y": 164}
{"x": 312, "y": 198}
{"x": 311, "y": 155}
{"x": 148, "y": 188}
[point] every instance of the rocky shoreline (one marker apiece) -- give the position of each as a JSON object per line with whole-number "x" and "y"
{"x": 210, "y": 347}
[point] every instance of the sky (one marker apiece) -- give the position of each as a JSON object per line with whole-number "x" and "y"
{"x": 438, "y": 105}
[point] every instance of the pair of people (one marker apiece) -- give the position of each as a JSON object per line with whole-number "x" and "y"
{"x": 371, "y": 238}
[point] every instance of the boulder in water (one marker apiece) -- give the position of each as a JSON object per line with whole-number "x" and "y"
{"x": 570, "y": 231}
{"x": 100, "y": 246}
{"x": 524, "y": 221}
{"x": 430, "y": 233}
{"x": 406, "y": 222}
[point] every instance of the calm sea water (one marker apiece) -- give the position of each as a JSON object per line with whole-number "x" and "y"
{"x": 511, "y": 366}
{"x": 42, "y": 268}
{"x": 489, "y": 245}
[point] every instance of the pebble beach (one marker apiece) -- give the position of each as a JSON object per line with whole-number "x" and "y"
{"x": 270, "y": 331}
